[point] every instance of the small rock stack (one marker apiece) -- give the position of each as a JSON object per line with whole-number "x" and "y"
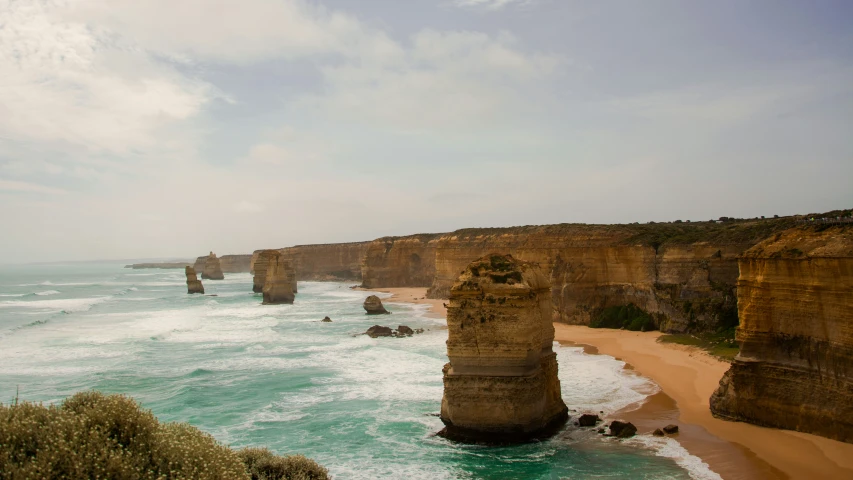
{"x": 212, "y": 269}
{"x": 193, "y": 283}
{"x": 277, "y": 285}
{"x": 373, "y": 306}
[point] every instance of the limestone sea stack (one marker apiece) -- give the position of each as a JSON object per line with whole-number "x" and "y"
{"x": 193, "y": 283}
{"x": 795, "y": 366}
{"x": 501, "y": 384}
{"x": 260, "y": 269}
{"x": 212, "y": 269}
{"x": 373, "y": 306}
{"x": 278, "y": 288}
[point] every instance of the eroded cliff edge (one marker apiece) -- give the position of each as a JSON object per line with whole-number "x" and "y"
{"x": 795, "y": 367}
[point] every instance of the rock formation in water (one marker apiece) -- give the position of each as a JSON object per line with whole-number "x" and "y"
{"x": 212, "y": 270}
{"x": 373, "y": 306}
{"x": 278, "y": 286}
{"x": 501, "y": 383}
{"x": 795, "y": 366}
{"x": 193, "y": 283}
{"x": 260, "y": 263}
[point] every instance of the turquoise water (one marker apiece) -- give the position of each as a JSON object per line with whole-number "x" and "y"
{"x": 276, "y": 376}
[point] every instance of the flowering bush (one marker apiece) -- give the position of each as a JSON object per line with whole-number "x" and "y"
{"x": 95, "y": 436}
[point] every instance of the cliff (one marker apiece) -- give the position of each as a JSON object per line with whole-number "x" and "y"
{"x": 330, "y": 262}
{"x": 399, "y": 262}
{"x": 795, "y": 366}
{"x": 501, "y": 382}
{"x": 165, "y": 265}
{"x": 227, "y": 263}
{"x": 683, "y": 274}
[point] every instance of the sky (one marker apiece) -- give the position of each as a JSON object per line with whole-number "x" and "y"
{"x": 169, "y": 128}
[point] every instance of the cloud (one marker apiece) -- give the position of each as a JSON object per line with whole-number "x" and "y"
{"x": 443, "y": 80}
{"x": 71, "y": 84}
{"x": 491, "y": 4}
{"x": 16, "y": 186}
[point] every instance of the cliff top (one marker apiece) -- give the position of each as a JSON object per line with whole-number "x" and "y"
{"x": 502, "y": 271}
{"x": 807, "y": 241}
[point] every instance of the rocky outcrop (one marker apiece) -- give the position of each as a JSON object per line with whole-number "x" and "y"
{"x": 373, "y": 306}
{"x": 399, "y": 261}
{"x": 278, "y": 285}
{"x": 212, "y": 270}
{"x": 193, "y": 283}
{"x": 795, "y": 366}
{"x": 331, "y": 262}
{"x": 260, "y": 263}
{"x": 501, "y": 382}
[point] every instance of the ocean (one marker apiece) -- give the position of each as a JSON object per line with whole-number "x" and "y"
{"x": 275, "y": 376}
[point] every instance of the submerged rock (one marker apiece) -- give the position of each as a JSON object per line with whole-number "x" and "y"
{"x": 588, "y": 420}
{"x": 373, "y": 306}
{"x": 622, "y": 429}
{"x": 212, "y": 269}
{"x": 670, "y": 429}
{"x": 326, "y": 319}
{"x": 379, "y": 331}
{"x": 193, "y": 283}
{"x": 501, "y": 383}
{"x": 404, "y": 330}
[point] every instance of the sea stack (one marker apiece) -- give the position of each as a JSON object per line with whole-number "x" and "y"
{"x": 373, "y": 306}
{"x": 501, "y": 384}
{"x": 212, "y": 269}
{"x": 795, "y": 304}
{"x": 278, "y": 288}
{"x": 193, "y": 283}
{"x": 260, "y": 269}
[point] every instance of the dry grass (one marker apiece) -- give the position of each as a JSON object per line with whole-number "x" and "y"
{"x": 95, "y": 436}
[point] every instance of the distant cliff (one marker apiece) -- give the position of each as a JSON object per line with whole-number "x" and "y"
{"x": 228, "y": 263}
{"x": 684, "y": 274}
{"x": 163, "y": 265}
{"x": 336, "y": 261}
{"x": 795, "y": 366}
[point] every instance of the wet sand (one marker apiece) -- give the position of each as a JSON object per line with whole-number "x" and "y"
{"x": 687, "y": 377}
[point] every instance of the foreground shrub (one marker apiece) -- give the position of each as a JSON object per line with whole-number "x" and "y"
{"x": 264, "y": 465}
{"x": 92, "y": 435}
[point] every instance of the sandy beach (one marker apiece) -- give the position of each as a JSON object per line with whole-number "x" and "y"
{"x": 687, "y": 377}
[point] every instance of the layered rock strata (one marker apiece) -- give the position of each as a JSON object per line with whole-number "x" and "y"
{"x": 795, "y": 366}
{"x": 227, "y": 263}
{"x": 373, "y": 306}
{"x": 260, "y": 264}
{"x": 501, "y": 382}
{"x": 212, "y": 269}
{"x": 331, "y": 262}
{"x": 193, "y": 283}
{"x": 278, "y": 286}
{"x": 399, "y": 261}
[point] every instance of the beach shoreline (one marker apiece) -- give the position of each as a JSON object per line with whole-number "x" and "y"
{"x": 687, "y": 376}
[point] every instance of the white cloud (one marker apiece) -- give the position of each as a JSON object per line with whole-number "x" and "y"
{"x": 491, "y": 4}
{"x": 445, "y": 80}
{"x": 16, "y": 186}
{"x": 70, "y": 83}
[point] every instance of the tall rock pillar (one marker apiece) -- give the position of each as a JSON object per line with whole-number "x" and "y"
{"x": 278, "y": 284}
{"x": 212, "y": 269}
{"x": 193, "y": 283}
{"x": 501, "y": 383}
{"x": 262, "y": 263}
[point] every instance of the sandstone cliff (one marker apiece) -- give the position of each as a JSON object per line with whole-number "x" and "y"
{"x": 262, "y": 260}
{"x": 795, "y": 367}
{"x": 212, "y": 269}
{"x": 193, "y": 283}
{"x": 278, "y": 285}
{"x": 683, "y": 274}
{"x": 227, "y": 263}
{"x": 331, "y": 262}
{"x": 501, "y": 382}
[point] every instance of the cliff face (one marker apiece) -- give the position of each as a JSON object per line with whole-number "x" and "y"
{"x": 339, "y": 261}
{"x": 399, "y": 262}
{"x": 795, "y": 367}
{"x": 501, "y": 382}
{"x": 683, "y": 274}
{"x": 235, "y": 263}
{"x": 260, "y": 264}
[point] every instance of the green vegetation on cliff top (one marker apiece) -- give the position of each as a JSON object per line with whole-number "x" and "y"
{"x": 720, "y": 344}
{"x": 91, "y": 435}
